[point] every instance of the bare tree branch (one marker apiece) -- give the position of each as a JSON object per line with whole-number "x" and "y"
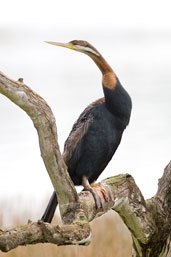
{"x": 39, "y": 232}
{"x": 44, "y": 121}
{"x": 79, "y": 231}
{"x": 149, "y": 221}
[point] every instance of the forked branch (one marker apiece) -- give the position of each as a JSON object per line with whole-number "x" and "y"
{"x": 149, "y": 221}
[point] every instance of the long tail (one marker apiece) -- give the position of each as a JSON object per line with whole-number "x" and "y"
{"x": 50, "y": 209}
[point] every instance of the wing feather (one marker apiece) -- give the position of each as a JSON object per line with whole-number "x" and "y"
{"x": 79, "y": 129}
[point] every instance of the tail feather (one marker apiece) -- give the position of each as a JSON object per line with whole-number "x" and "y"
{"x": 50, "y": 209}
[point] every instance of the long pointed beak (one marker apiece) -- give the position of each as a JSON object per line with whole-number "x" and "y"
{"x": 67, "y": 45}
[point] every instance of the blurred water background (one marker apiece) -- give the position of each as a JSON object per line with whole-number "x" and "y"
{"x": 69, "y": 81}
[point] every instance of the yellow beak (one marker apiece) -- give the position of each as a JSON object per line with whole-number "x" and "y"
{"x": 67, "y": 45}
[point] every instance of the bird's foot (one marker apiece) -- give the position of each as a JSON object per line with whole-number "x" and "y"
{"x": 100, "y": 194}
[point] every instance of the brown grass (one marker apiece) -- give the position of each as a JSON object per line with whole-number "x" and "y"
{"x": 110, "y": 238}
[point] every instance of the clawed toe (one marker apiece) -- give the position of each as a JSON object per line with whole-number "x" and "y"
{"x": 96, "y": 197}
{"x": 99, "y": 192}
{"x": 103, "y": 193}
{"x": 106, "y": 193}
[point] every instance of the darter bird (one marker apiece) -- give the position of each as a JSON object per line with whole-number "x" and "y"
{"x": 97, "y": 133}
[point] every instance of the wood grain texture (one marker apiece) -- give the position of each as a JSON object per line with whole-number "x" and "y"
{"x": 149, "y": 221}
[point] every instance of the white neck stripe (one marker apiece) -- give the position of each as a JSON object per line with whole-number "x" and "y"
{"x": 88, "y": 49}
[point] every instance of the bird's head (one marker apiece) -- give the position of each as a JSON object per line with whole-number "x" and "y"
{"x": 86, "y": 48}
{"x": 78, "y": 45}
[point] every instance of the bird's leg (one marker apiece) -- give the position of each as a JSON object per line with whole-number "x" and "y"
{"x": 87, "y": 187}
{"x": 100, "y": 193}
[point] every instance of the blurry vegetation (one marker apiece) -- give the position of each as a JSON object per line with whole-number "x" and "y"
{"x": 110, "y": 238}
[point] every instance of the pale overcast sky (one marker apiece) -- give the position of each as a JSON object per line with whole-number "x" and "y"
{"x": 133, "y": 13}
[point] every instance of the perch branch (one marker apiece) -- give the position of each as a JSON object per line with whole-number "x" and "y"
{"x": 149, "y": 221}
{"x": 134, "y": 213}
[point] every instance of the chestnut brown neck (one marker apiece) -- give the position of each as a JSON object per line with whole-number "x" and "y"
{"x": 109, "y": 79}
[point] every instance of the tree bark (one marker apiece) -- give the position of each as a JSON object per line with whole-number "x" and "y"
{"x": 149, "y": 221}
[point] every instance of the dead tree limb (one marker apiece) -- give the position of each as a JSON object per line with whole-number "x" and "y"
{"x": 44, "y": 122}
{"x": 149, "y": 221}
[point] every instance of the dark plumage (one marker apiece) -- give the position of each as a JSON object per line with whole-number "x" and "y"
{"x": 97, "y": 133}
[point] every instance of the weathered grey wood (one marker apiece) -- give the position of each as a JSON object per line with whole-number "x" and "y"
{"x": 160, "y": 208}
{"x": 44, "y": 122}
{"x": 149, "y": 221}
{"x": 79, "y": 231}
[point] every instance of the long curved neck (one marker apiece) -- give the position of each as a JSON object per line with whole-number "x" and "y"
{"x": 109, "y": 79}
{"x": 117, "y": 100}
{"x": 101, "y": 63}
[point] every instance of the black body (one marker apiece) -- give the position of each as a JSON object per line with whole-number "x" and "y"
{"x": 105, "y": 122}
{"x": 97, "y": 146}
